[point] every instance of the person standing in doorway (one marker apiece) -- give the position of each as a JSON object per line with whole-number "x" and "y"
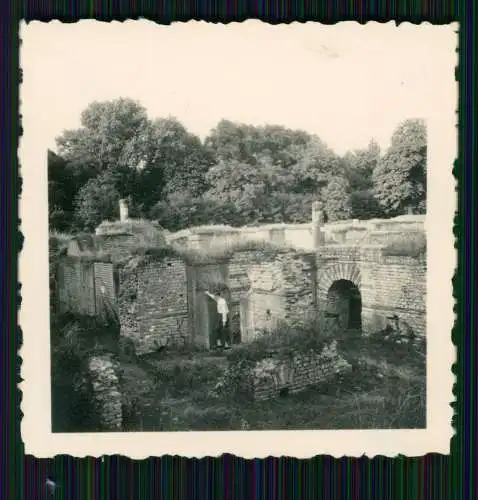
{"x": 222, "y": 338}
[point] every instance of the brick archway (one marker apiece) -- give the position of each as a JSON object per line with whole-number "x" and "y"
{"x": 347, "y": 271}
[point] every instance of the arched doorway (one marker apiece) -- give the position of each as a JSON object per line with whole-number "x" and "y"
{"x": 344, "y": 303}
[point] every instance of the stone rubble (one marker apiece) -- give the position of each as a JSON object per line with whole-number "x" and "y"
{"x": 106, "y": 395}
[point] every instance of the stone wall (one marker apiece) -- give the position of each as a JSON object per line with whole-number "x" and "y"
{"x": 257, "y": 285}
{"x": 299, "y": 278}
{"x": 118, "y": 245}
{"x": 162, "y": 301}
{"x": 294, "y": 235}
{"x": 277, "y": 374}
{"x": 392, "y": 286}
{"x": 152, "y": 303}
{"x": 106, "y": 395}
{"x": 272, "y": 288}
{"x": 388, "y": 285}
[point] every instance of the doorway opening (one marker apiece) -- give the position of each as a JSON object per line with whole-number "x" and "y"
{"x": 344, "y": 302}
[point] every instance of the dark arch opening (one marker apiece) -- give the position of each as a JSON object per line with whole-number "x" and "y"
{"x": 344, "y": 303}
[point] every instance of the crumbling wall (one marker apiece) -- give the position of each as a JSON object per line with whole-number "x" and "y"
{"x": 279, "y": 374}
{"x": 106, "y": 394}
{"x": 119, "y": 245}
{"x": 257, "y": 291}
{"x": 299, "y": 286}
{"x": 152, "y": 303}
{"x": 271, "y": 287}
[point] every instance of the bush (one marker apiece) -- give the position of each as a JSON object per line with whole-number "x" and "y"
{"x": 287, "y": 340}
{"x": 182, "y": 212}
{"x": 409, "y": 244}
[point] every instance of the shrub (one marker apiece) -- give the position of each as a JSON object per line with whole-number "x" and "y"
{"x": 287, "y": 340}
{"x": 202, "y": 257}
{"x": 409, "y": 244}
{"x": 74, "y": 340}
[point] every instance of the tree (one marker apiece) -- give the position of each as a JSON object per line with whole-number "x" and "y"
{"x": 400, "y": 177}
{"x": 175, "y": 162}
{"x": 60, "y": 207}
{"x": 96, "y": 201}
{"x": 316, "y": 165}
{"x": 364, "y": 205}
{"x": 336, "y": 196}
{"x": 106, "y": 149}
{"x": 238, "y": 183}
{"x": 270, "y": 173}
{"x": 111, "y": 134}
{"x": 120, "y": 147}
{"x": 359, "y": 166}
{"x": 180, "y": 212}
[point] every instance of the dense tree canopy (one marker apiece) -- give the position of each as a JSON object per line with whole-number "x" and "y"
{"x": 240, "y": 174}
{"x": 400, "y": 176}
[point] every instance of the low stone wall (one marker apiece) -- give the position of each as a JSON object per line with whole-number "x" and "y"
{"x": 106, "y": 395}
{"x": 269, "y": 377}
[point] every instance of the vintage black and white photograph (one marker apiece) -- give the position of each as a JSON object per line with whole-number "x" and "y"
{"x": 238, "y": 223}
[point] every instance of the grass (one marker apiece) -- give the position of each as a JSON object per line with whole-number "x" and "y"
{"x": 384, "y": 392}
{"x": 286, "y": 340}
{"x": 203, "y": 257}
{"x": 407, "y": 244}
{"x": 175, "y": 390}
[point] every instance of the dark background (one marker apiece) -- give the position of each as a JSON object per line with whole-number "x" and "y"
{"x": 430, "y": 477}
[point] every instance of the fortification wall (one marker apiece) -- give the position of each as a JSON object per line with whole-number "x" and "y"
{"x": 152, "y": 304}
{"x": 295, "y": 235}
{"x": 388, "y": 285}
{"x": 392, "y": 285}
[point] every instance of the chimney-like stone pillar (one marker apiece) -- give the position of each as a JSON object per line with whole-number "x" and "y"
{"x": 317, "y": 223}
{"x": 123, "y": 208}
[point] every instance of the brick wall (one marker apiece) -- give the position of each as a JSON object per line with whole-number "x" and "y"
{"x": 388, "y": 285}
{"x": 267, "y": 378}
{"x": 117, "y": 245}
{"x": 299, "y": 283}
{"x": 393, "y": 286}
{"x": 162, "y": 303}
{"x": 153, "y": 305}
{"x": 299, "y": 373}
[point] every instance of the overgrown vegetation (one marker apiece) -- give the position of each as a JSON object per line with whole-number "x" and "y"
{"x": 239, "y": 175}
{"x": 74, "y": 340}
{"x": 177, "y": 390}
{"x": 286, "y": 340}
{"x": 213, "y": 255}
{"x": 408, "y": 244}
{"x": 386, "y": 388}
{"x": 184, "y": 399}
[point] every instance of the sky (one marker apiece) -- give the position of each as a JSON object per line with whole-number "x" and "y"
{"x": 346, "y": 83}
